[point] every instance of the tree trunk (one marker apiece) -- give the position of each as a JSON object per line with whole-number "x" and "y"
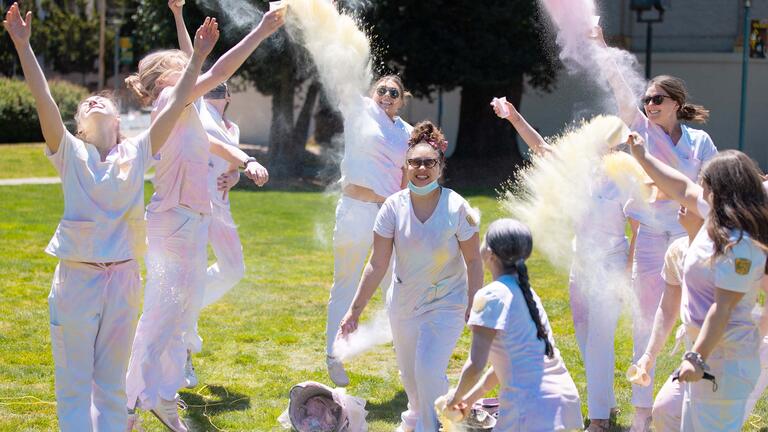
{"x": 482, "y": 135}
{"x": 281, "y": 130}
{"x": 486, "y": 152}
{"x": 301, "y": 130}
{"x": 328, "y": 122}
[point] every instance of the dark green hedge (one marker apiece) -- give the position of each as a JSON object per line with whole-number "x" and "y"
{"x": 18, "y": 115}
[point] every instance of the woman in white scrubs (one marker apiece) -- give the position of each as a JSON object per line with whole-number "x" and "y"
{"x": 511, "y": 328}
{"x": 434, "y": 234}
{"x": 372, "y": 170}
{"x": 178, "y": 216}
{"x": 660, "y": 123}
{"x": 96, "y": 289}
{"x": 722, "y": 274}
{"x": 229, "y": 267}
{"x": 595, "y": 297}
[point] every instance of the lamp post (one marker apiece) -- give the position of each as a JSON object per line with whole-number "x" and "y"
{"x": 640, "y": 6}
{"x": 744, "y": 74}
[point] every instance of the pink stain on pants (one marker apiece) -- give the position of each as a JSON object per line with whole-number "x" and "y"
{"x": 176, "y": 260}
{"x": 93, "y": 317}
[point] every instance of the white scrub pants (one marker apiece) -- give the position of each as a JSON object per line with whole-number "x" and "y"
{"x": 229, "y": 267}
{"x": 596, "y": 306}
{"x": 176, "y": 260}
{"x": 762, "y": 381}
{"x": 93, "y": 311}
{"x": 648, "y": 286}
{"x": 423, "y": 347}
{"x": 352, "y": 240}
{"x": 694, "y": 407}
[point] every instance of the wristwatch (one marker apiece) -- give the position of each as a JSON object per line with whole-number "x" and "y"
{"x": 696, "y": 359}
{"x": 249, "y": 160}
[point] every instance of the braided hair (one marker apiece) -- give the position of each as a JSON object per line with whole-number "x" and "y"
{"x": 512, "y": 243}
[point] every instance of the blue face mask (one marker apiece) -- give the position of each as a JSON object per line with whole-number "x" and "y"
{"x": 423, "y": 190}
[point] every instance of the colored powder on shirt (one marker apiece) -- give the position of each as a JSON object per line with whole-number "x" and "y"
{"x": 627, "y": 173}
{"x": 553, "y": 193}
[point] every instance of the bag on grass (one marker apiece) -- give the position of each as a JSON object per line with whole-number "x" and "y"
{"x": 314, "y": 407}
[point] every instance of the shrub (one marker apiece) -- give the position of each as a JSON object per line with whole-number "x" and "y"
{"x": 18, "y": 114}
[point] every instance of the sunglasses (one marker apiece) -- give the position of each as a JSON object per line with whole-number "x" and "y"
{"x": 427, "y": 163}
{"x": 393, "y": 92}
{"x": 655, "y": 99}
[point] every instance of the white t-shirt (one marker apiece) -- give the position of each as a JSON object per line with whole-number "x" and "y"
{"x": 537, "y": 393}
{"x": 740, "y": 269}
{"x": 214, "y": 125}
{"x": 603, "y": 226}
{"x": 181, "y": 170}
{"x": 103, "y": 217}
{"x": 693, "y": 149}
{"x": 429, "y": 271}
{"x": 374, "y": 149}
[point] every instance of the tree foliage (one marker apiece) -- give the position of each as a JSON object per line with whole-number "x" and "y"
{"x": 485, "y": 48}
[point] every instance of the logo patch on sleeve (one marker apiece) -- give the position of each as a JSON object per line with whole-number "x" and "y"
{"x": 471, "y": 220}
{"x": 743, "y": 265}
{"x": 478, "y": 304}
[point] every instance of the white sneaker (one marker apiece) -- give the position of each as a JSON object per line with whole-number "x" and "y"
{"x": 168, "y": 413}
{"x": 189, "y": 372}
{"x": 336, "y": 371}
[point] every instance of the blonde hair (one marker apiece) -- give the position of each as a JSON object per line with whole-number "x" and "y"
{"x": 153, "y": 69}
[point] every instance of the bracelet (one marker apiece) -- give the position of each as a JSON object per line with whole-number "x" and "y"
{"x": 249, "y": 160}
{"x": 696, "y": 359}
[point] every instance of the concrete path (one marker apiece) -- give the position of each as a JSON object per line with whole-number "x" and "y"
{"x": 44, "y": 180}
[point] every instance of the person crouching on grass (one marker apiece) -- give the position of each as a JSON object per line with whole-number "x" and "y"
{"x": 511, "y": 328}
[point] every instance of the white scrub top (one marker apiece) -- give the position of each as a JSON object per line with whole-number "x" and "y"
{"x": 213, "y": 124}
{"x": 537, "y": 393}
{"x": 429, "y": 271}
{"x": 374, "y": 149}
{"x": 693, "y": 149}
{"x": 740, "y": 269}
{"x": 103, "y": 217}
{"x": 603, "y": 226}
{"x": 672, "y": 272}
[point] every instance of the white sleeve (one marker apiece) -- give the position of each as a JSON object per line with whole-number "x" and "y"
{"x": 671, "y": 270}
{"x": 736, "y": 269}
{"x": 144, "y": 149}
{"x": 707, "y": 150}
{"x": 386, "y": 220}
{"x": 469, "y": 222}
{"x": 62, "y": 155}
{"x": 488, "y": 310}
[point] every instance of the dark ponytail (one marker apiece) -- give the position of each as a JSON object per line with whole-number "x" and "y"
{"x": 525, "y": 287}
{"x": 511, "y": 242}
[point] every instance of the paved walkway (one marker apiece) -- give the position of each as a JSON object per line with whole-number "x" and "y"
{"x": 43, "y": 180}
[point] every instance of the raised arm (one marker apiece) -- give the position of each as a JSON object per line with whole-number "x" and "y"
{"x": 372, "y": 275}
{"x": 669, "y": 180}
{"x": 20, "y": 29}
{"x": 626, "y": 99}
{"x": 185, "y": 43}
{"x": 228, "y": 64}
{"x": 238, "y": 158}
{"x": 532, "y": 138}
{"x": 162, "y": 126}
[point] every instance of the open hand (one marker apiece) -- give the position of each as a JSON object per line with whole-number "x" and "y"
{"x": 18, "y": 29}
{"x": 227, "y": 180}
{"x": 206, "y": 36}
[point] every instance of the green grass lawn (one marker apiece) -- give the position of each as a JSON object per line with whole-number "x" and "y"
{"x": 24, "y": 160}
{"x": 264, "y": 336}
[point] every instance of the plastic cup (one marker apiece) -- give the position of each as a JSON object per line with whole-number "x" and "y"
{"x": 501, "y": 105}
{"x": 179, "y": 3}
{"x": 638, "y": 375}
{"x": 275, "y": 5}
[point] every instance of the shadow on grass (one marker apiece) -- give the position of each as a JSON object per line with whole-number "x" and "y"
{"x": 388, "y": 411}
{"x": 217, "y": 400}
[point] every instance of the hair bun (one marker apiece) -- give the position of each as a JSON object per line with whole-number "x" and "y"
{"x": 427, "y": 132}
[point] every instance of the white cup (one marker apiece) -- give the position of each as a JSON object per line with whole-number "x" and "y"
{"x": 275, "y": 5}
{"x": 501, "y": 105}
{"x": 638, "y": 375}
